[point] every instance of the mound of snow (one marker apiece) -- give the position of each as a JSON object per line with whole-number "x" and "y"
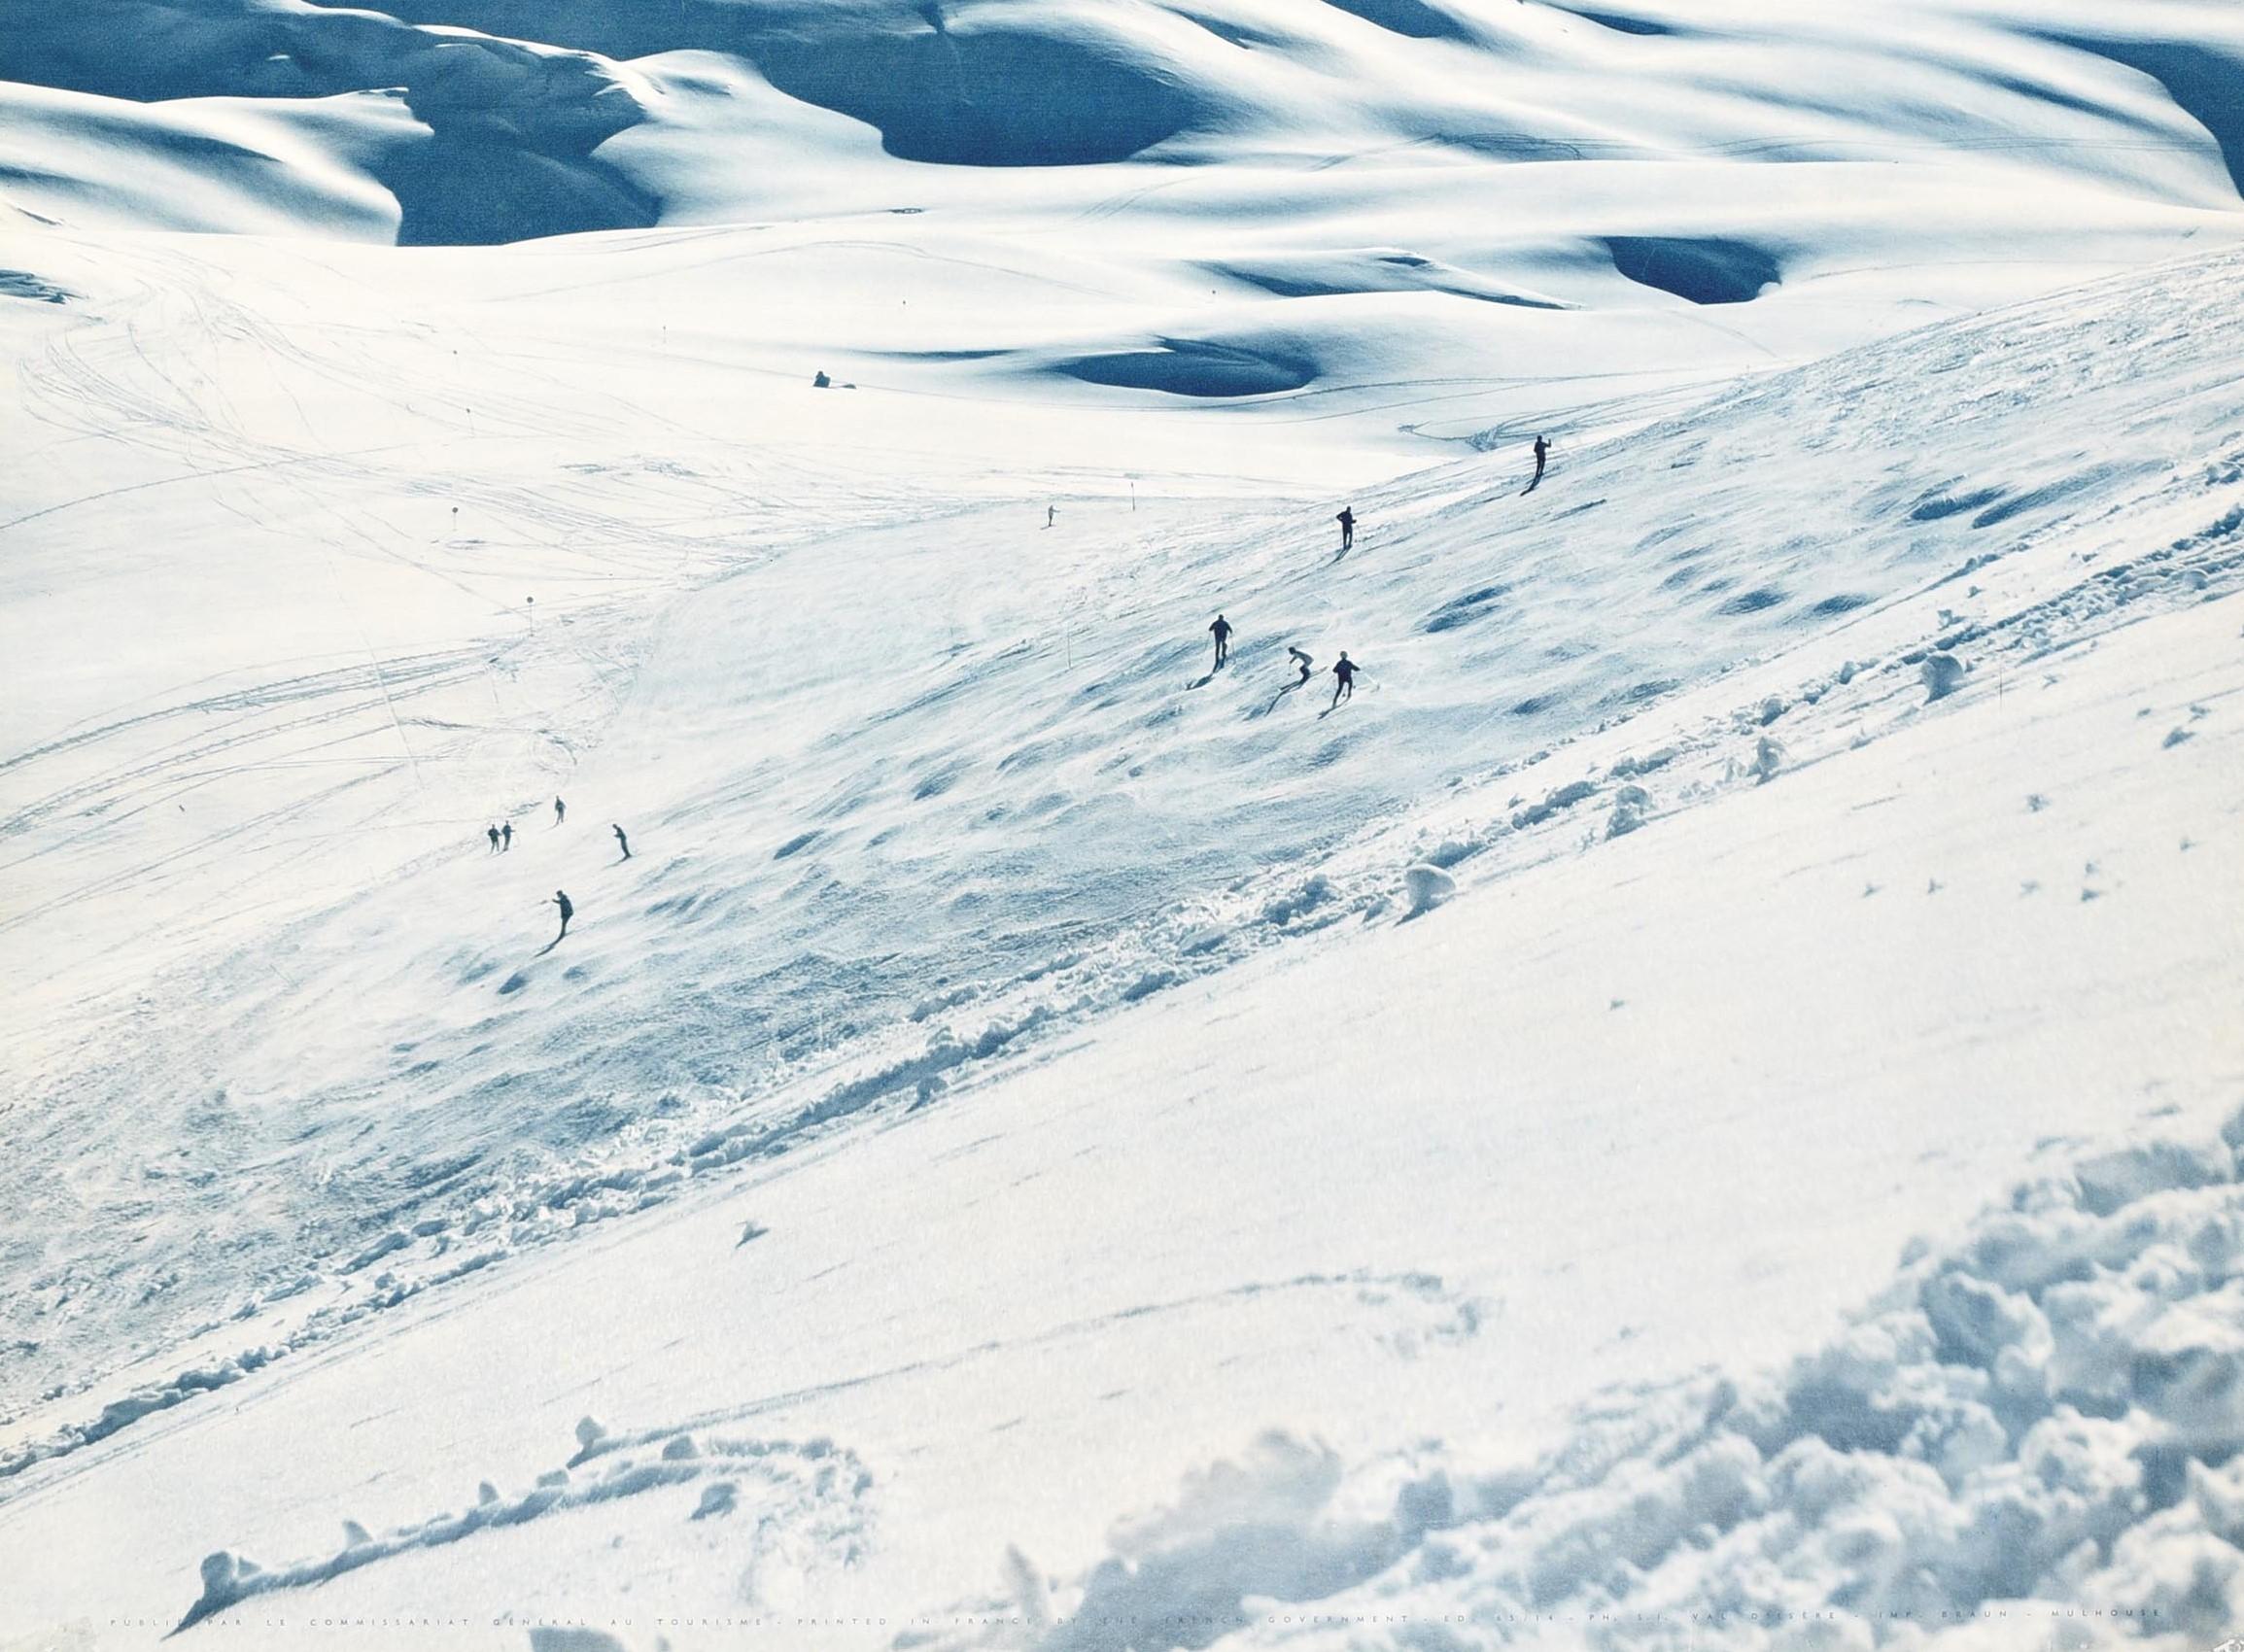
{"x": 2039, "y": 1420}
{"x": 1425, "y": 887}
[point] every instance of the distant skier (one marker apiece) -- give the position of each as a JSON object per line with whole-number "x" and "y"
{"x": 1306, "y": 664}
{"x": 1347, "y": 521}
{"x": 560, "y": 809}
{"x": 1541, "y": 454}
{"x": 822, "y": 380}
{"x": 1345, "y": 670}
{"x": 1049, "y": 511}
{"x": 568, "y": 912}
{"x": 506, "y": 837}
{"x": 1221, "y": 630}
{"x": 623, "y": 842}
{"x": 492, "y": 834}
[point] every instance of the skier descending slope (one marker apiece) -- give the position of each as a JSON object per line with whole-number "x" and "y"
{"x": 568, "y": 912}
{"x": 1221, "y": 630}
{"x": 1542, "y": 453}
{"x": 1347, "y": 521}
{"x": 492, "y": 834}
{"x": 1306, "y": 664}
{"x": 623, "y": 842}
{"x": 1345, "y": 688}
{"x": 560, "y": 810}
{"x": 506, "y": 837}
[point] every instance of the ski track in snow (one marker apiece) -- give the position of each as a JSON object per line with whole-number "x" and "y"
{"x": 812, "y": 1490}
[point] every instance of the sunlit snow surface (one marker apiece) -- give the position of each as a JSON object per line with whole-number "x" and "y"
{"x": 1078, "y": 1149}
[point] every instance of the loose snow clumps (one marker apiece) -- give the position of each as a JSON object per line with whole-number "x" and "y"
{"x": 2042, "y": 1419}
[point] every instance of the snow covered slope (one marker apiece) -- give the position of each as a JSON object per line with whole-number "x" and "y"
{"x": 1744, "y": 879}
{"x": 1043, "y": 1143}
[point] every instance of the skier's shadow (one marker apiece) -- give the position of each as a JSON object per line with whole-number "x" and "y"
{"x": 547, "y": 947}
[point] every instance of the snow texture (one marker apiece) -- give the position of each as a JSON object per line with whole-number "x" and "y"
{"x": 1417, "y": 1146}
{"x": 2035, "y": 1423}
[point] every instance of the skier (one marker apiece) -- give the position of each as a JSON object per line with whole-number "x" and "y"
{"x": 1304, "y": 662}
{"x": 1222, "y": 634}
{"x": 1347, "y": 521}
{"x": 560, "y": 808}
{"x": 622, "y": 841}
{"x": 1345, "y": 670}
{"x": 492, "y": 834}
{"x": 820, "y": 381}
{"x": 1542, "y": 453}
{"x": 1049, "y": 511}
{"x": 506, "y": 837}
{"x": 568, "y": 912}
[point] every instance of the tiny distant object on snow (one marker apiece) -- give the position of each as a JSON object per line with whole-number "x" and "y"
{"x": 1345, "y": 670}
{"x": 1541, "y": 456}
{"x": 623, "y": 842}
{"x": 1306, "y": 664}
{"x": 1347, "y": 521}
{"x": 822, "y": 380}
{"x": 506, "y": 836}
{"x": 560, "y": 810}
{"x": 1049, "y": 511}
{"x": 1222, "y": 635}
{"x": 492, "y": 834}
{"x": 568, "y": 912}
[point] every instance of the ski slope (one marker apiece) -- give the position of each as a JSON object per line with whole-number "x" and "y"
{"x": 1844, "y": 909}
{"x": 1701, "y": 1102}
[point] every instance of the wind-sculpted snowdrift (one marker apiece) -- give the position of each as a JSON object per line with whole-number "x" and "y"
{"x": 2031, "y": 1437}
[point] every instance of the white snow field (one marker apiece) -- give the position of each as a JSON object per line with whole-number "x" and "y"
{"x": 1704, "y": 1107}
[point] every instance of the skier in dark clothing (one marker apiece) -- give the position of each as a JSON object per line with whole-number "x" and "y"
{"x": 1542, "y": 453}
{"x": 492, "y": 834}
{"x": 1304, "y": 662}
{"x": 622, "y": 841}
{"x": 1345, "y": 670}
{"x": 1222, "y": 635}
{"x": 1347, "y": 521}
{"x": 568, "y": 912}
{"x": 560, "y": 808}
{"x": 506, "y": 836}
